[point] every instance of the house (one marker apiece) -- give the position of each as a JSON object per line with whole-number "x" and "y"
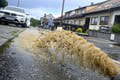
{"x": 98, "y": 18}
{"x": 45, "y": 18}
{"x": 104, "y": 15}
{"x": 76, "y": 18}
{"x": 72, "y": 19}
{"x": 49, "y": 16}
{"x": 93, "y": 17}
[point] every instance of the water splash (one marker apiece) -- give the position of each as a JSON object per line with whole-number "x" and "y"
{"x": 66, "y": 45}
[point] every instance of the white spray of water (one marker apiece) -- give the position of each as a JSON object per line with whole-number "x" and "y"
{"x": 65, "y": 44}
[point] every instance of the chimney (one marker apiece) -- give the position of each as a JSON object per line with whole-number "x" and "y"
{"x": 45, "y": 15}
{"x": 92, "y": 3}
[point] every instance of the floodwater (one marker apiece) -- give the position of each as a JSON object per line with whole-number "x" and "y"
{"x": 18, "y": 63}
{"x": 115, "y": 56}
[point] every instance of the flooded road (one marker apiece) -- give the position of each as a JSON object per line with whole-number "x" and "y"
{"x": 16, "y": 63}
{"x": 113, "y": 51}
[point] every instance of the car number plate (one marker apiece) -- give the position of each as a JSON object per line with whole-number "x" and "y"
{"x": 9, "y": 18}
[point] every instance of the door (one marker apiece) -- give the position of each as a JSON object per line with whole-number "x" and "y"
{"x": 87, "y": 22}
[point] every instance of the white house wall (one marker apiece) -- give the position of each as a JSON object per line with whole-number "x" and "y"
{"x": 114, "y": 14}
{"x": 75, "y": 21}
{"x": 96, "y": 27}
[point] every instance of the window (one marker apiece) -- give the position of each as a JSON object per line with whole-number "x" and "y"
{"x": 71, "y": 22}
{"x": 76, "y": 12}
{"x": 94, "y": 20}
{"x": 74, "y": 21}
{"x": 104, "y": 20}
{"x": 67, "y": 21}
{"x": 72, "y": 13}
{"x": 80, "y": 22}
{"x": 77, "y": 22}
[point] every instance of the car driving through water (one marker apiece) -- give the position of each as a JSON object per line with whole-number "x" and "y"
{"x": 15, "y": 15}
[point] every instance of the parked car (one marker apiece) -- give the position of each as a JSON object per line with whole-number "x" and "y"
{"x": 15, "y": 15}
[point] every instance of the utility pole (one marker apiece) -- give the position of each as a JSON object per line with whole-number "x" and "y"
{"x": 62, "y": 13}
{"x": 18, "y": 2}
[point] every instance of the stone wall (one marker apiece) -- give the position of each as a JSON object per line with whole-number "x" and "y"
{"x": 104, "y": 35}
{"x": 117, "y": 38}
{"x": 98, "y": 34}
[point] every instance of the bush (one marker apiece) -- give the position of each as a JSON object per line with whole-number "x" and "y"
{"x": 79, "y": 30}
{"x": 3, "y": 3}
{"x": 34, "y": 22}
{"x": 87, "y": 31}
{"x": 115, "y": 28}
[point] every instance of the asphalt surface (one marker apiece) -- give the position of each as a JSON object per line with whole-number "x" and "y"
{"x": 8, "y": 32}
{"x": 112, "y": 50}
{"x": 18, "y": 64}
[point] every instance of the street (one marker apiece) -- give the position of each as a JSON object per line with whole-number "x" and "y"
{"x": 20, "y": 64}
{"x": 70, "y": 40}
{"x": 112, "y": 50}
{"x": 8, "y": 32}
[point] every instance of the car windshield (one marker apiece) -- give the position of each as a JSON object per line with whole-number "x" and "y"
{"x": 15, "y": 9}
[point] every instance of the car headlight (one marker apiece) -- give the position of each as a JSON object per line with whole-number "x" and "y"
{"x": 1, "y": 13}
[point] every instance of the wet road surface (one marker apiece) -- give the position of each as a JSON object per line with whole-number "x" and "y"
{"x": 8, "y": 32}
{"x": 18, "y": 64}
{"x": 112, "y": 50}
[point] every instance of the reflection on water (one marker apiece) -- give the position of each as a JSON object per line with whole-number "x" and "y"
{"x": 66, "y": 47}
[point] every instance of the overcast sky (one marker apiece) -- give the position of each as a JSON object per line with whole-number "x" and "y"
{"x": 38, "y": 8}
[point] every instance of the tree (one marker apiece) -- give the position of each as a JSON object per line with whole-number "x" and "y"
{"x": 34, "y": 22}
{"x": 3, "y": 3}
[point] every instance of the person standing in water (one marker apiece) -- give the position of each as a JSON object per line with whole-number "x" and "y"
{"x": 50, "y": 24}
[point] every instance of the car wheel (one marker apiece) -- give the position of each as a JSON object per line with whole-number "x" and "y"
{"x": 6, "y": 23}
{"x": 24, "y": 25}
{"x": 17, "y": 25}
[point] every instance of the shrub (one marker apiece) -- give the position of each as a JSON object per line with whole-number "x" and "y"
{"x": 115, "y": 28}
{"x": 3, "y": 3}
{"x": 87, "y": 31}
{"x": 79, "y": 30}
{"x": 35, "y": 22}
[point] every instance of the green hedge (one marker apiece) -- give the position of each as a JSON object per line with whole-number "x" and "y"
{"x": 87, "y": 31}
{"x": 79, "y": 30}
{"x": 116, "y": 28}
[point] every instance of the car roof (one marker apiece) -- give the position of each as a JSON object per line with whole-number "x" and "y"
{"x": 16, "y": 7}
